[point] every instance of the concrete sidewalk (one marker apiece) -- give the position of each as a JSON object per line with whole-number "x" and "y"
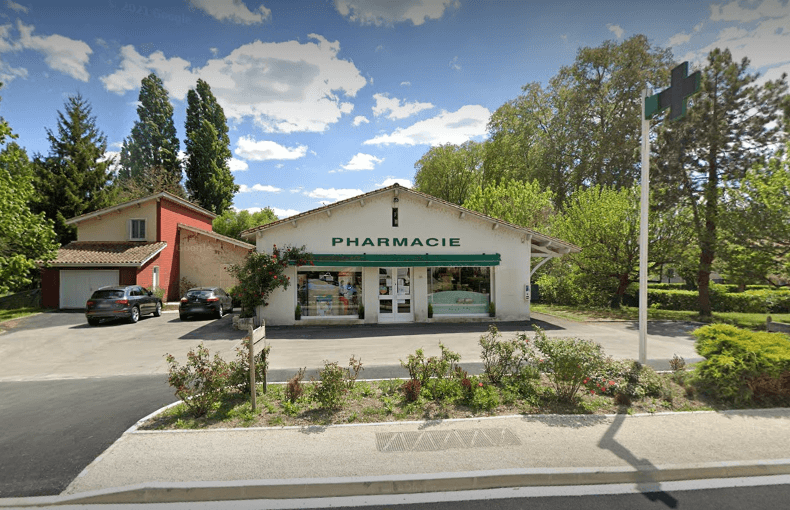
{"x": 412, "y": 457}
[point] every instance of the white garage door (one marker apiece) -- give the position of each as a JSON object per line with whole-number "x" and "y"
{"x": 77, "y": 286}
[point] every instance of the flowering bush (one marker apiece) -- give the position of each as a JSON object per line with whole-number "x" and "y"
{"x": 261, "y": 273}
{"x": 201, "y": 382}
{"x": 567, "y": 362}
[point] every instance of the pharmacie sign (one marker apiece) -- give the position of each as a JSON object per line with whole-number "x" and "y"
{"x": 396, "y": 241}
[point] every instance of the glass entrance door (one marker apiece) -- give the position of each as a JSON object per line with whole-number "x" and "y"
{"x": 395, "y": 294}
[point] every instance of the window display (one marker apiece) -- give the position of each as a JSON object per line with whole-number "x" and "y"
{"x": 459, "y": 290}
{"x": 335, "y": 292}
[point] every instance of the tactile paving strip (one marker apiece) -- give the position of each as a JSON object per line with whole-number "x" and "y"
{"x": 434, "y": 440}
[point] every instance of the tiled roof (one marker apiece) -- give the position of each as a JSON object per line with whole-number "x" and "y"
{"x": 162, "y": 194}
{"x": 107, "y": 253}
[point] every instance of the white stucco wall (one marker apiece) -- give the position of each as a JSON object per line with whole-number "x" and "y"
{"x": 416, "y": 220}
{"x": 114, "y": 226}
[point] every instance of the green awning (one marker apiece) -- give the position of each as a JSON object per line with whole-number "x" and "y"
{"x": 425, "y": 260}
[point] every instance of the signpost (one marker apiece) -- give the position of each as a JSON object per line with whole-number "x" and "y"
{"x": 675, "y": 97}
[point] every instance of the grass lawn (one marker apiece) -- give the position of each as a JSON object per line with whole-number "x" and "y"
{"x": 742, "y": 320}
{"x": 6, "y": 315}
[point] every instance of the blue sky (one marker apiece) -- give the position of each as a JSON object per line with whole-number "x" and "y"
{"x": 327, "y": 99}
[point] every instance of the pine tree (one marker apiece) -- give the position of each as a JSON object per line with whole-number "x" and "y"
{"x": 209, "y": 180}
{"x": 733, "y": 124}
{"x": 153, "y": 141}
{"x": 75, "y": 177}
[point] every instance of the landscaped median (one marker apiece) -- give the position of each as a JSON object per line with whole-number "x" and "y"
{"x": 521, "y": 375}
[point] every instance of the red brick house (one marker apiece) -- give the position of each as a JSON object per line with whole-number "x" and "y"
{"x": 140, "y": 243}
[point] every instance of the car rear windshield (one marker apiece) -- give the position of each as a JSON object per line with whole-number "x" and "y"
{"x": 199, "y": 293}
{"x": 107, "y": 294}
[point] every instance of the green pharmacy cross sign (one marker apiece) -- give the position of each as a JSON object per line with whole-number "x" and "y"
{"x": 676, "y": 95}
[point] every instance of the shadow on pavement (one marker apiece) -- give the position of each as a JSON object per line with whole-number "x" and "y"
{"x": 212, "y": 329}
{"x": 384, "y": 330}
{"x": 649, "y": 487}
{"x": 666, "y": 328}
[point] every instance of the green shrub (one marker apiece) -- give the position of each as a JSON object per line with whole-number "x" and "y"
{"x": 201, "y": 382}
{"x": 484, "y": 397}
{"x": 567, "y": 362}
{"x": 742, "y": 365}
{"x": 422, "y": 369}
{"x": 239, "y": 370}
{"x": 504, "y": 357}
{"x": 332, "y": 387}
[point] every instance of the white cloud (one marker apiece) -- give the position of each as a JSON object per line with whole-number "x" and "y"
{"x": 296, "y": 190}
{"x": 405, "y": 84}
{"x": 69, "y": 56}
{"x": 362, "y": 161}
{"x": 755, "y": 32}
{"x": 678, "y": 39}
{"x": 284, "y": 213}
{"x": 238, "y": 165}
{"x": 359, "y": 120}
{"x": 389, "y": 181}
{"x": 333, "y": 194}
{"x": 214, "y": 51}
{"x": 234, "y": 11}
{"x": 248, "y": 148}
{"x": 383, "y": 12}
{"x": 617, "y": 30}
{"x": 16, "y": 7}
{"x": 243, "y": 188}
{"x": 448, "y": 127}
{"x": 283, "y": 87}
{"x": 397, "y": 110}
{"x": 454, "y": 64}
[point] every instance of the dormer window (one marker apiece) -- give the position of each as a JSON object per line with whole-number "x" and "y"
{"x": 137, "y": 230}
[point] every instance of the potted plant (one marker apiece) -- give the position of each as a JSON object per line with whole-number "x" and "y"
{"x": 491, "y": 309}
{"x": 361, "y": 311}
{"x": 430, "y": 311}
{"x": 298, "y": 311}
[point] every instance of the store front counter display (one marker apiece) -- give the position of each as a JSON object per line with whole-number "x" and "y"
{"x": 330, "y": 293}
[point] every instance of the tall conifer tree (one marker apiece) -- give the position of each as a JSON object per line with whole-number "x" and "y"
{"x": 153, "y": 142}
{"x": 74, "y": 178}
{"x": 209, "y": 180}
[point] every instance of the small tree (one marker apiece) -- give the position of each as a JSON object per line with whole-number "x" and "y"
{"x": 261, "y": 273}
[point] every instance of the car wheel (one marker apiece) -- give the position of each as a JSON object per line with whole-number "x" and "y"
{"x": 135, "y": 316}
{"x": 182, "y": 316}
{"x": 221, "y": 311}
{"x": 158, "y": 311}
{"x": 93, "y": 322}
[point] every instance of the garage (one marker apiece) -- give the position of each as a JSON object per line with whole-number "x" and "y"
{"x": 76, "y": 286}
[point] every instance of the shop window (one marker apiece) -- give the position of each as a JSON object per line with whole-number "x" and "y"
{"x": 459, "y": 290}
{"x": 335, "y": 292}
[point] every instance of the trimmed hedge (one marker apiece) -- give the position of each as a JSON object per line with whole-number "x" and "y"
{"x": 742, "y": 365}
{"x": 751, "y": 301}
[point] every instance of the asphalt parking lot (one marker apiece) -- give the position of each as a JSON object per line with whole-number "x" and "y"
{"x": 59, "y": 345}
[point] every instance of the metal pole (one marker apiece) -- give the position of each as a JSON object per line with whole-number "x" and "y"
{"x": 643, "y": 210}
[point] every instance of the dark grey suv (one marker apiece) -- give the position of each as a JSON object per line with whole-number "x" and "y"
{"x": 128, "y": 302}
{"x": 205, "y": 300}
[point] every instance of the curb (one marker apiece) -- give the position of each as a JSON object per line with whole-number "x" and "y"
{"x": 301, "y": 488}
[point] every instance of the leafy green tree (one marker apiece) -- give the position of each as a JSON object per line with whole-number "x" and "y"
{"x": 450, "y": 172}
{"x": 517, "y": 202}
{"x": 75, "y": 177}
{"x": 604, "y": 223}
{"x": 733, "y": 124}
{"x": 25, "y": 237}
{"x": 153, "y": 142}
{"x": 209, "y": 180}
{"x": 232, "y": 223}
{"x": 757, "y": 220}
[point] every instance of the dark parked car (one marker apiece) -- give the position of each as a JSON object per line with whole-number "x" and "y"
{"x": 129, "y": 302}
{"x": 205, "y": 300}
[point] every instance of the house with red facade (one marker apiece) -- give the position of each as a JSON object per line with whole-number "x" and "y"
{"x": 153, "y": 241}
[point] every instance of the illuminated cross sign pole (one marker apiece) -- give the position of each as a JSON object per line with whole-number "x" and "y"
{"x": 675, "y": 97}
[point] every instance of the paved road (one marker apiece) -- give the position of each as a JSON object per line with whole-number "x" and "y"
{"x": 51, "y": 430}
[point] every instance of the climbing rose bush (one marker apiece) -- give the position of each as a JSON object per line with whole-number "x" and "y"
{"x": 261, "y": 273}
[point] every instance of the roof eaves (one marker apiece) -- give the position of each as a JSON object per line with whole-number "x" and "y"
{"x": 221, "y": 237}
{"x": 118, "y": 207}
